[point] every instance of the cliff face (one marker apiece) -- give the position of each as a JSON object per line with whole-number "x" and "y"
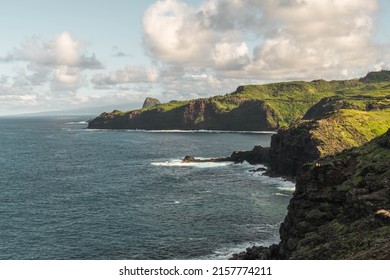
{"x": 193, "y": 115}
{"x": 329, "y": 134}
{"x": 340, "y": 209}
{"x": 256, "y": 107}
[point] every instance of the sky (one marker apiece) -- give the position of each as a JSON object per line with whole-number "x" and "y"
{"x": 59, "y": 55}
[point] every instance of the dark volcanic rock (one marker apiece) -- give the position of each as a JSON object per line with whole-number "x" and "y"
{"x": 259, "y": 155}
{"x": 291, "y": 148}
{"x": 258, "y": 253}
{"x": 194, "y": 115}
{"x": 340, "y": 209}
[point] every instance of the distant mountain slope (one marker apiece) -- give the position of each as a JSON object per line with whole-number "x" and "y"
{"x": 251, "y": 107}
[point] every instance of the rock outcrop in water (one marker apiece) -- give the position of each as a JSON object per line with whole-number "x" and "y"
{"x": 194, "y": 115}
{"x": 259, "y": 154}
{"x": 340, "y": 209}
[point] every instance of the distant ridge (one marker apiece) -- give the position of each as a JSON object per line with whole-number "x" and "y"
{"x": 250, "y": 107}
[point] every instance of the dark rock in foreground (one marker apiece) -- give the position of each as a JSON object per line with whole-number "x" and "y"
{"x": 259, "y": 155}
{"x": 340, "y": 209}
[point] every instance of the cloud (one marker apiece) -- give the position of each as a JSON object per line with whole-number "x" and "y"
{"x": 116, "y": 52}
{"x": 46, "y": 73}
{"x": 127, "y": 75}
{"x": 58, "y": 62}
{"x": 270, "y": 39}
{"x": 60, "y": 51}
{"x": 178, "y": 34}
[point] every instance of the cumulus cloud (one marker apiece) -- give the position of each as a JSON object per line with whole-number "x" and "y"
{"x": 60, "y": 51}
{"x": 57, "y": 63}
{"x": 270, "y": 39}
{"x": 46, "y": 72}
{"x": 130, "y": 74}
{"x": 176, "y": 33}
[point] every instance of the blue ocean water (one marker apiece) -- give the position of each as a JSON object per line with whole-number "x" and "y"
{"x": 71, "y": 193}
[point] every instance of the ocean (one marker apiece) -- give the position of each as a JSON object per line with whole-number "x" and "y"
{"x": 67, "y": 192}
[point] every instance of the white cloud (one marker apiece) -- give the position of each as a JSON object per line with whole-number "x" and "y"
{"x": 127, "y": 75}
{"x": 47, "y": 73}
{"x": 228, "y": 56}
{"x": 287, "y": 38}
{"x": 62, "y": 50}
{"x": 178, "y": 34}
{"x": 58, "y": 62}
{"x": 66, "y": 77}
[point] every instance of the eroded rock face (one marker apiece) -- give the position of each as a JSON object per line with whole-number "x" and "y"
{"x": 337, "y": 204}
{"x": 259, "y": 155}
{"x": 340, "y": 209}
{"x": 291, "y": 148}
{"x": 194, "y": 115}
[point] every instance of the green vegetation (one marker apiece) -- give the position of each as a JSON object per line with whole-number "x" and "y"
{"x": 379, "y": 76}
{"x": 352, "y": 231}
{"x": 166, "y": 106}
{"x": 118, "y": 112}
{"x": 291, "y": 100}
{"x": 274, "y": 105}
{"x": 349, "y": 128}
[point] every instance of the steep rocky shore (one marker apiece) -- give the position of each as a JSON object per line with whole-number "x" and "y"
{"x": 194, "y": 115}
{"x": 254, "y": 107}
{"x": 328, "y": 134}
{"x": 341, "y": 206}
{"x": 340, "y": 209}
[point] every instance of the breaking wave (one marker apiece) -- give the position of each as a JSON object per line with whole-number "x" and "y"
{"x": 180, "y": 163}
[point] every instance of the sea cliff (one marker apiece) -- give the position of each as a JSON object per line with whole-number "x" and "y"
{"x": 253, "y": 107}
{"x": 328, "y": 139}
{"x": 340, "y": 209}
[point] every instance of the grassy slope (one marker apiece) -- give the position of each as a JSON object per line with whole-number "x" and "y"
{"x": 290, "y": 100}
{"x": 349, "y": 128}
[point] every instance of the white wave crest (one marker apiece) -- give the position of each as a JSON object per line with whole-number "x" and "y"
{"x": 224, "y": 253}
{"x": 180, "y": 163}
{"x": 202, "y": 131}
{"x": 76, "y": 123}
{"x": 282, "y": 194}
{"x": 287, "y": 187}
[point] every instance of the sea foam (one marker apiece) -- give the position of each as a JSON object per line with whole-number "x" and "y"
{"x": 201, "y": 131}
{"x": 180, "y": 163}
{"x": 76, "y": 123}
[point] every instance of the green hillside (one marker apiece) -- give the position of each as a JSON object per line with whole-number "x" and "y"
{"x": 281, "y": 104}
